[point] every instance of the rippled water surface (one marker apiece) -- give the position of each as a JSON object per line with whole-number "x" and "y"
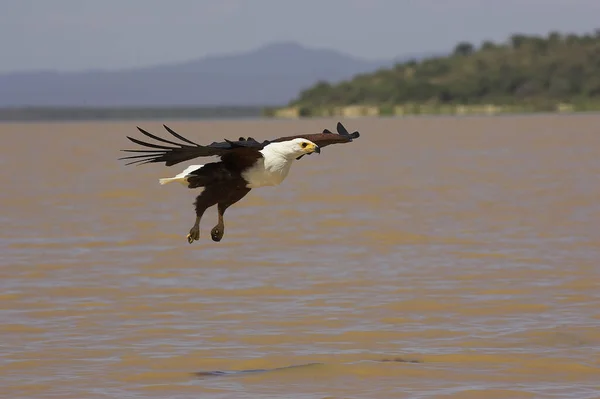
{"x": 441, "y": 257}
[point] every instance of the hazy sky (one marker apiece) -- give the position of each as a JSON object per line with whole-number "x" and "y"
{"x": 81, "y": 34}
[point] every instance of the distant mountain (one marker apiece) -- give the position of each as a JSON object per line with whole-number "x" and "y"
{"x": 270, "y": 75}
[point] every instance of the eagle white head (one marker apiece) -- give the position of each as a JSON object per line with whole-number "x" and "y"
{"x": 293, "y": 148}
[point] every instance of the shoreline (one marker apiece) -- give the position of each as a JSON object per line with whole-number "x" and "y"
{"x": 297, "y": 112}
{"x": 91, "y": 114}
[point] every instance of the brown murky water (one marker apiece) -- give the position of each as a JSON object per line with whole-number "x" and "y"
{"x": 466, "y": 248}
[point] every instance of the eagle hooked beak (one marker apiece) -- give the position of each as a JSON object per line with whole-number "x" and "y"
{"x": 309, "y": 148}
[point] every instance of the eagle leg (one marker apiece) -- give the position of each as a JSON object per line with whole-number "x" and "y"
{"x": 194, "y": 234}
{"x": 219, "y": 230}
{"x": 204, "y": 201}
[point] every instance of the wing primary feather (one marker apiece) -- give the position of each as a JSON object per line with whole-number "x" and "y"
{"x": 137, "y": 161}
{"x": 180, "y": 137}
{"x": 140, "y": 162}
{"x": 140, "y": 156}
{"x": 156, "y": 137}
{"x": 149, "y": 144}
{"x": 147, "y": 151}
{"x": 342, "y": 130}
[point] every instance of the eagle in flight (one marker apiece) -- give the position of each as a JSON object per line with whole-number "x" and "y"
{"x": 244, "y": 164}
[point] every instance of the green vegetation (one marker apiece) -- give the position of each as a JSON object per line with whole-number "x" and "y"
{"x": 525, "y": 74}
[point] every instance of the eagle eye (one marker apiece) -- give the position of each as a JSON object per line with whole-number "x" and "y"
{"x": 304, "y": 145}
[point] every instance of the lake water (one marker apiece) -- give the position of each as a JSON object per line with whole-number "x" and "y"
{"x": 433, "y": 257}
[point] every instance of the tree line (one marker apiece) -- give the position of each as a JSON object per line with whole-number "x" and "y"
{"x": 550, "y": 69}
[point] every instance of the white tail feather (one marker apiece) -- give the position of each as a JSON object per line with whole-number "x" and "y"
{"x": 181, "y": 177}
{"x": 167, "y": 180}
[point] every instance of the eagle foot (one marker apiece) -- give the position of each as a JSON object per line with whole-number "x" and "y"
{"x": 217, "y": 234}
{"x": 194, "y": 234}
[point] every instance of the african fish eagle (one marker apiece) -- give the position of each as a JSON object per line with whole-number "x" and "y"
{"x": 244, "y": 164}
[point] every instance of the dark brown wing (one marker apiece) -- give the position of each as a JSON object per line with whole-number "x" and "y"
{"x": 180, "y": 152}
{"x": 244, "y": 147}
{"x": 326, "y": 138}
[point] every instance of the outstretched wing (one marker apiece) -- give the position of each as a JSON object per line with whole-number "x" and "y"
{"x": 326, "y": 137}
{"x": 181, "y": 152}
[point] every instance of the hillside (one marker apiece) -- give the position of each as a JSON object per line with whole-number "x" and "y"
{"x": 527, "y": 71}
{"x": 270, "y": 75}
